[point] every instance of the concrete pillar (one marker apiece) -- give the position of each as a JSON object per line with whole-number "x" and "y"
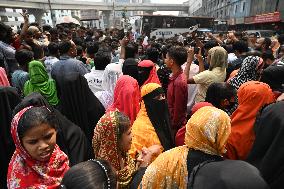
{"x": 38, "y": 14}
{"x": 3, "y": 18}
{"x": 108, "y": 19}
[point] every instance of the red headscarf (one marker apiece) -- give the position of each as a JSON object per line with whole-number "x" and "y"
{"x": 106, "y": 147}
{"x": 126, "y": 97}
{"x": 181, "y": 132}
{"x": 26, "y": 172}
{"x": 153, "y": 77}
{"x": 252, "y": 96}
{"x": 3, "y": 78}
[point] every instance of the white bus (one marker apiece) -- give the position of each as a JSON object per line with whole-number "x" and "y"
{"x": 163, "y": 26}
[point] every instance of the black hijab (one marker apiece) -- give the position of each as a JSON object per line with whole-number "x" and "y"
{"x": 9, "y": 99}
{"x": 70, "y": 138}
{"x": 267, "y": 153}
{"x": 227, "y": 174}
{"x": 273, "y": 76}
{"x": 130, "y": 67}
{"x": 158, "y": 113}
{"x": 143, "y": 74}
{"x": 79, "y": 104}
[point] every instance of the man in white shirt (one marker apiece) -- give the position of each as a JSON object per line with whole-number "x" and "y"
{"x": 101, "y": 60}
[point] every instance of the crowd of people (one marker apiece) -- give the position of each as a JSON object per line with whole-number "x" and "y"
{"x": 89, "y": 108}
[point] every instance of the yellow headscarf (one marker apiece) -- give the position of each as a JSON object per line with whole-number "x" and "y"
{"x": 207, "y": 130}
{"x": 143, "y": 132}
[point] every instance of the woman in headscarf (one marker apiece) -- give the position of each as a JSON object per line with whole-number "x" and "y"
{"x": 147, "y": 73}
{"x": 218, "y": 60}
{"x": 69, "y": 137}
{"x": 227, "y": 174}
{"x": 179, "y": 138}
{"x": 111, "y": 142}
{"x": 267, "y": 151}
{"x": 152, "y": 125}
{"x": 39, "y": 82}
{"x": 79, "y": 104}
{"x": 207, "y": 132}
{"x": 3, "y": 78}
{"x": 252, "y": 95}
{"x": 130, "y": 67}
{"x": 9, "y": 99}
{"x": 110, "y": 76}
{"x": 126, "y": 97}
{"x": 37, "y": 162}
{"x": 249, "y": 71}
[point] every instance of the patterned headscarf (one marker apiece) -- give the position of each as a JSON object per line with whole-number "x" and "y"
{"x": 26, "y": 172}
{"x": 208, "y": 130}
{"x": 105, "y": 145}
{"x": 248, "y": 72}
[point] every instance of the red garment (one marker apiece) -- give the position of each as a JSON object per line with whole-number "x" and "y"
{"x": 181, "y": 132}
{"x": 105, "y": 139}
{"x": 126, "y": 97}
{"x": 17, "y": 43}
{"x": 25, "y": 172}
{"x": 3, "y": 78}
{"x": 177, "y": 100}
{"x": 153, "y": 76}
{"x": 252, "y": 96}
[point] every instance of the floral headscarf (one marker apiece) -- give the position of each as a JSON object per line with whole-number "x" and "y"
{"x": 208, "y": 130}
{"x": 105, "y": 145}
{"x": 26, "y": 172}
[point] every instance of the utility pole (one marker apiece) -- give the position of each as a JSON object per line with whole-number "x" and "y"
{"x": 51, "y": 13}
{"x": 113, "y": 14}
{"x": 277, "y": 6}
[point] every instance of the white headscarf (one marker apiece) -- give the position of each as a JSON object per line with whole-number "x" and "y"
{"x": 110, "y": 76}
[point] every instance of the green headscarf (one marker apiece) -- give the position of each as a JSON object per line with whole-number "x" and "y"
{"x": 40, "y": 82}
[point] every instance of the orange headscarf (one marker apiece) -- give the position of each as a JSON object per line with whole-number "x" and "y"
{"x": 253, "y": 95}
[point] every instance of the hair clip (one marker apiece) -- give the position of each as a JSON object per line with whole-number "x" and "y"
{"x": 105, "y": 170}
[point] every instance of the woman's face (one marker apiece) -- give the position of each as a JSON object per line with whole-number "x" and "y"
{"x": 126, "y": 140}
{"x": 39, "y": 141}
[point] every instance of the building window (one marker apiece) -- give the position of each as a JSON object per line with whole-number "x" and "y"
{"x": 236, "y": 9}
{"x": 244, "y": 6}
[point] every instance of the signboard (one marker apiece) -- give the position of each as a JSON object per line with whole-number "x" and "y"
{"x": 270, "y": 17}
{"x": 231, "y": 21}
{"x": 249, "y": 20}
{"x": 89, "y": 14}
{"x": 240, "y": 20}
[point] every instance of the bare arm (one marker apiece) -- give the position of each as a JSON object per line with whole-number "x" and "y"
{"x": 200, "y": 61}
{"x": 26, "y": 24}
{"x": 197, "y": 41}
{"x": 190, "y": 55}
{"x": 123, "y": 43}
{"x": 211, "y": 36}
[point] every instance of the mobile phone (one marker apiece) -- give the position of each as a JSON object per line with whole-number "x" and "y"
{"x": 196, "y": 50}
